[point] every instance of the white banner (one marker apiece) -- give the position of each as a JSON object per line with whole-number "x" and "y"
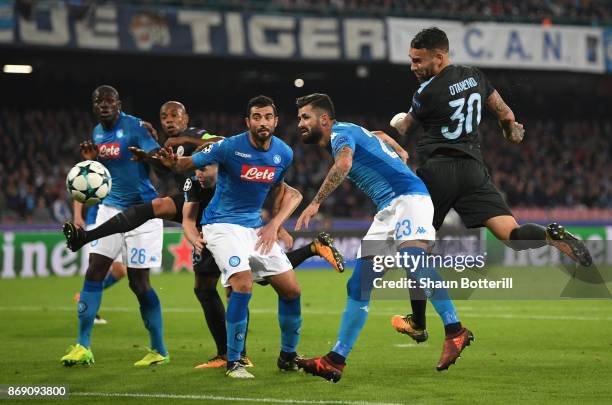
{"x": 521, "y": 46}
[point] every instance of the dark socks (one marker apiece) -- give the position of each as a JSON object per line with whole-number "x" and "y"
{"x": 418, "y": 312}
{"x": 297, "y": 256}
{"x": 527, "y": 236}
{"x": 452, "y": 329}
{"x": 125, "y": 221}
{"x": 336, "y": 358}
{"x": 214, "y": 312}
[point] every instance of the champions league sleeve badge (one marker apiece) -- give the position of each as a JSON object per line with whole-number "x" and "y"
{"x": 187, "y": 185}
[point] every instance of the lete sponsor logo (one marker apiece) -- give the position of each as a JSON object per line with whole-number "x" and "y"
{"x": 262, "y": 174}
{"x": 109, "y": 150}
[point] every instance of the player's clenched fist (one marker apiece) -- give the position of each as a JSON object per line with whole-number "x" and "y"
{"x": 515, "y": 133}
{"x": 89, "y": 150}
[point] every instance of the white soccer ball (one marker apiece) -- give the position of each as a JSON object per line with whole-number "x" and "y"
{"x": 88, "y": 182}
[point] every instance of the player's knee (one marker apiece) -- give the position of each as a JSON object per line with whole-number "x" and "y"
{"x": 163, "y": 207}
{"x": 205, "y": 294}
{"x": 291, "y": 292}
{"x": 119, "y": 270}
{"x": 241, "y": 282}
{"x": 98, "y": 267}
{"x": 205, "y": 282}
{"x": 138, "y": 281}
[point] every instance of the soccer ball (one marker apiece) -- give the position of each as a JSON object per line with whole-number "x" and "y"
{"x": 88, "y": 182}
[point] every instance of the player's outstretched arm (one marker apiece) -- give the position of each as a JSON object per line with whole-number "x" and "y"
{"x": 512, "y": 130}
{"x": 197, "y": 142}
{"x": 173, "y": 162}
{"x": 405, "y": 123}
{"x": 335, "y": 176}
{"x": 286, "y": 200}
{"x": 190, "y": 229}
{"x": 386, "y": 138}
{"x": 140, "y": 155}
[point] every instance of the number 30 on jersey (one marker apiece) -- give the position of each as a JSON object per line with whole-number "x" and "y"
{"x": 458, "y": 116}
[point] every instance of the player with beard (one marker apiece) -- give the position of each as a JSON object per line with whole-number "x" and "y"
{"x": 256, "y": 163}
{"x": 184, "y": 140}
{"x": 199, "y": 191}
{"x": 448, "y": 104}
{"x": 403, "y": 220}
{"x": 141, "y": 248}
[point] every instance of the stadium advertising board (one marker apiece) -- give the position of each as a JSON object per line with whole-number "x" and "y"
{"x": 521, "y": 46}
{"x": 124, "y": 28}
{"x": 255, "y": 35}
{"x": 608, "y": 48}
{"x": 44, "y": 254}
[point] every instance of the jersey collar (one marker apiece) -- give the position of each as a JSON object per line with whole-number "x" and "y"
{"x": 121, "y": 115}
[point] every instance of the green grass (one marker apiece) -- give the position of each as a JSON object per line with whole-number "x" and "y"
{"x": 525, "y": 351}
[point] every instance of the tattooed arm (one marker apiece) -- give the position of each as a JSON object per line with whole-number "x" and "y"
{"x": 335, "y": 176}
{"x": 512, "y": 130}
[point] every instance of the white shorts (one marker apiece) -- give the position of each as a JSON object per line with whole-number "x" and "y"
{"x": 140, "y": 248}
{"x": 408, "y": 217}
{"x": 87, "y": 248}
{"x": 233, "y": 247}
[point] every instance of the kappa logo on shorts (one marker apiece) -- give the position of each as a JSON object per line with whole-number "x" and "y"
{"x": 420, "y": 230}
{"x": 260, "y": 174}
{"x": 234, "y": 261}
{"x": 188, "y": 184}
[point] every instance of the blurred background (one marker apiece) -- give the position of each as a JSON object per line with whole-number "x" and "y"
{"x": 549, "y": 59}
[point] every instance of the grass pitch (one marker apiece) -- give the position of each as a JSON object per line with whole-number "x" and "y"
{"x": 525, "y": 351}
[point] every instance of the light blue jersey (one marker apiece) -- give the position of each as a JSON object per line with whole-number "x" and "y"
{"x": 245, "y": 177}
{"x": 92, "y": 213}
{"x": 131, "y": 184}
{"x": 377, "y": 170}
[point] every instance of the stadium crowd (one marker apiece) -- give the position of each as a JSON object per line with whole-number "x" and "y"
{"x": 524, "y": 9}
{"x": 559, "y": 164}
{"x": 578, "y": 11}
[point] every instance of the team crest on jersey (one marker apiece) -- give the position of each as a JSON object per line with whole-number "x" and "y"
{"x": 234, "y": 261}
{"x": 180, "y": 151}
{"x": 188, "y": 184}
{"x": 260, "y": 174}
{"x": 109, "y": 150}
{"x": 276, "y": 159}
{"x": 120, "y": 133}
